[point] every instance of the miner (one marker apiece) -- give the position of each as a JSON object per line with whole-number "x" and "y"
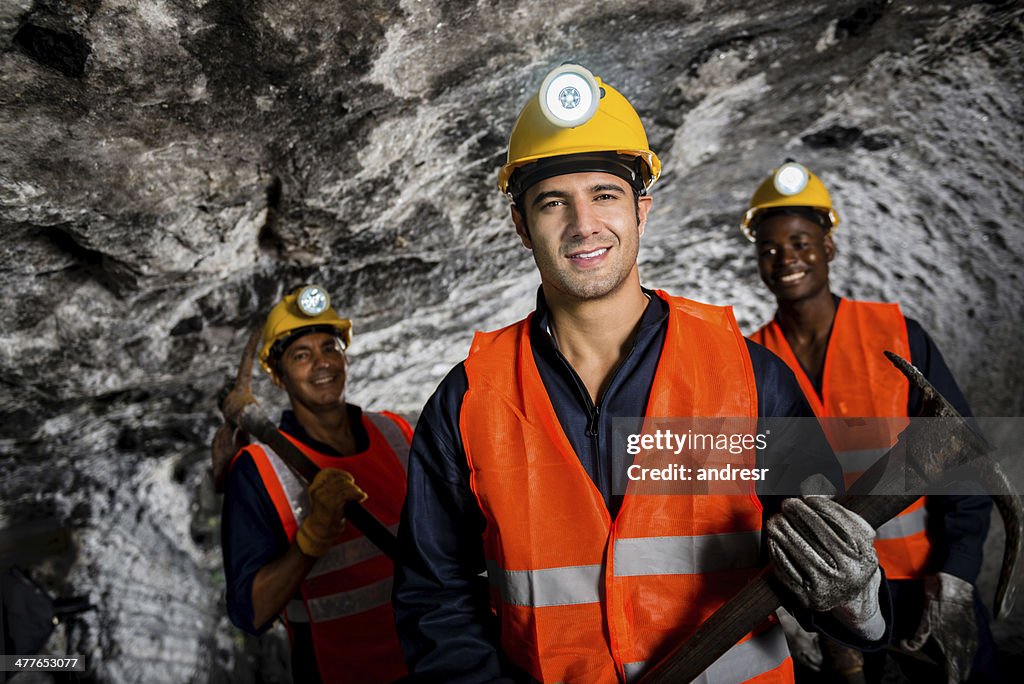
{"x": 932, "y": 551}
{"x": 534, "y": 563}
{"x": 287, "y": 550}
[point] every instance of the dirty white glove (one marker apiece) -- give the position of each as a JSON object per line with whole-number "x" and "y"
{"x": 805, "y": 646}
{"x": 862, "y": 614}
{"x": 824, "y": 554}
{"x": 948, "y": 618}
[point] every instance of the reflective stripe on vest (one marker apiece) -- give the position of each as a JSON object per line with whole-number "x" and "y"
{"x": 905, "y": 524}
{"x": 859, "y": 382}
{"x": 745, "y": 660}
{"x": 294, "y": 490}
{"x": 633, "y": 558}
{"x": 346, "y": 554}
{"x": 548, "y": 587}
{"x": 854, "y": 463}
{"x": 686, "y": 555}
{"x": 581, "y": 598}
{"x": 351, "y": 602}
{"x": 393, "y": 434}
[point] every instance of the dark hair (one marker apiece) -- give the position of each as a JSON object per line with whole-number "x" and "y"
{"x": 810, "y": 213}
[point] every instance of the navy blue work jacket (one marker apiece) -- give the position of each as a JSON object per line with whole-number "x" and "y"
{"x": 445, "y": 624}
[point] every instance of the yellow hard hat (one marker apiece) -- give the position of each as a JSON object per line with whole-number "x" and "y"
{"x": 575, "y": 113}
{"x": 308, "y": 306}
{"x": 790, "y": 185}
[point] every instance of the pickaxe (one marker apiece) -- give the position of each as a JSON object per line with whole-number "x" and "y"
{"x": 920, "y": 457}
{"x": 242, "y": 410}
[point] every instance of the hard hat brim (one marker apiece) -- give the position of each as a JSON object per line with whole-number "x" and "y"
{"x": 747, "y": 225}
{"x": 650, "y": 160}
{"x": 274, "y": 348}
{"x": 630, "y": 168}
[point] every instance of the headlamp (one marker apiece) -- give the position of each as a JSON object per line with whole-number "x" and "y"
{"x": 313, "y": 300}
{"x": 569, "y": 96}
{"x": 791, "y": 178}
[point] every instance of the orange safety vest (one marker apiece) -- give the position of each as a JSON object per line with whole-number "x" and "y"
{"x": 582, "y": 597}
{"x": 859, "y": 382}
{"x": 346, "y": 596}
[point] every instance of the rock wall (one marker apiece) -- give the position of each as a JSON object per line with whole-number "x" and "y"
{"x": 169, "y": 168}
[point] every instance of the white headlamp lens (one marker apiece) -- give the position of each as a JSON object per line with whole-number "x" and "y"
{"x": 791, "y": 178}
{"x": 569, "y": 96}
{"x": 313, "y": 300}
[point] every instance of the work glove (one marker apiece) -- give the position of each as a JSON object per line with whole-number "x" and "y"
{"x": 805, "y": 646}
{"x": 824, "y": 554}
{"x": 330, "y": 490}
{"x": 948, "y": 618}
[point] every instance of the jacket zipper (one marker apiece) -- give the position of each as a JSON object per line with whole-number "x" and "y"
{"x": 593, "y": 410}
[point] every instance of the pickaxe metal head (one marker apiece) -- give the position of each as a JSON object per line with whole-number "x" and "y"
{"x": 990, "y": 476}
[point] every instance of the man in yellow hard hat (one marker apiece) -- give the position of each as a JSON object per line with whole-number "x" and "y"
{"x": 932, "y": 551}
{"x": 287, "y": 550}
{"x": 540, "y": 556}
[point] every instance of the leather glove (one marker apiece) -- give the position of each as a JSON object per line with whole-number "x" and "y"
{"x": 948, "y": 618}
{"x": 330, "y": 490}
{"x": 824, "y": 554}
{"x": 805, "y": 646}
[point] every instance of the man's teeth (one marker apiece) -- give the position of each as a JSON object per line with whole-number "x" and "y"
{"x": 323, "y": 381}
{"x": 591, "y": 255}
{"x": 792, "y": 277}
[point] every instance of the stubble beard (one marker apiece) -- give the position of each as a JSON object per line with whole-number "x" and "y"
{"x": 586, "y": 286}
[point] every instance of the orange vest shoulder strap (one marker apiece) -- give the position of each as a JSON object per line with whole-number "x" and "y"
{"x": 858, "y": 380}
{"x": 720, "y": 316}
{"x": 707, "y": 354}
{"x": 497, "y": 340}
{"x": 491, "y": 361}
{"x": 272, "y": 471}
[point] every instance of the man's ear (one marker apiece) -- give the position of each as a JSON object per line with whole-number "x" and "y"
{"x": 643, "y": 208}
{"x": 830, "y": 247}
{"x": 275, "y": 378}
{"x": 521, "y": 230}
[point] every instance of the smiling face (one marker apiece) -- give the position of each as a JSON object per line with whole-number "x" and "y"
{"x": 314, "y": 370}
{"x": 792, "y": 256}
{"x": 584, "y": 230}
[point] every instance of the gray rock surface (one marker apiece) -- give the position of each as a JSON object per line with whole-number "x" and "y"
{"x": 169, "y": 168}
